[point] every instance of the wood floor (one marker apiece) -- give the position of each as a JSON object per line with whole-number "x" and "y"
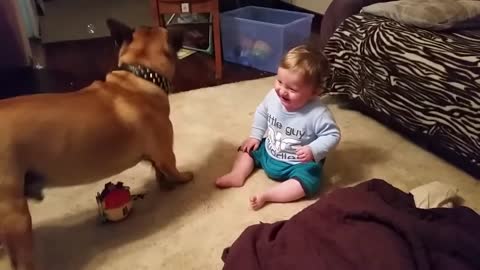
{"x": 75, "y": 64}
{"x": 71, "y": 65}
{"x": 90, "y": 60}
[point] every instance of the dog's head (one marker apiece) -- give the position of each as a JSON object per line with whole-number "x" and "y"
{"x": 152, "y": 47}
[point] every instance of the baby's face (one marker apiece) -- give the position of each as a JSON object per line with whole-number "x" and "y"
{"x": 292, "y": 89}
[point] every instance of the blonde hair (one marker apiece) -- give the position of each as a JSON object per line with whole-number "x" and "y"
{"x": 309, "y": 61}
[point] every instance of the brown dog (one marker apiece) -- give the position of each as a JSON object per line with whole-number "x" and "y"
{"x": 84, "y": 136}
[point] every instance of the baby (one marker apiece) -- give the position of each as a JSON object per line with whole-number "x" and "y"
{"x": 292, "y": 132}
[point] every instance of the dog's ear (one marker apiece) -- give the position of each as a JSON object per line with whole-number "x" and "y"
{"x": 119, "y": 31}
{"x": 175, "y": 38}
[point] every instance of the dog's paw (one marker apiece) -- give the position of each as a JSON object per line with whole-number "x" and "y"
{"x": 186, "y": 177}
{"x": 170, "y": 183}
{"x": 167, "y": 185}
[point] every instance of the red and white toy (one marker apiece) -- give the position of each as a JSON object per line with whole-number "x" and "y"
{"x": 114, "y": 202}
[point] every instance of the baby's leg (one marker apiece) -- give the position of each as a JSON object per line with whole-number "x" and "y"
{"x": 288, "y": 191}
{"x": 242, "y": 168}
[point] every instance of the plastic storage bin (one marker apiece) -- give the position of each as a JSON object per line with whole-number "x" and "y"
{"x": 258, "y": 37}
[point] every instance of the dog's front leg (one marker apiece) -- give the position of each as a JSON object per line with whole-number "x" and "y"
{"x": 162, "y": 180}
{"x": 17, "y": 232}
{"x": 160, "y": 152}
{"x": 167, "y": 173}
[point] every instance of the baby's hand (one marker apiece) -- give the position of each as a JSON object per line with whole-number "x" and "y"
{"x": 305, "y": 154}
{"x": 250, "y": 144}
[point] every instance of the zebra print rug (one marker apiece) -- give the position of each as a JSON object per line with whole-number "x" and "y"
{"x": 425, "y": 82}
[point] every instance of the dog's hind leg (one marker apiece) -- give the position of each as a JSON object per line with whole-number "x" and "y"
{"x": 16, "y": 223}
{"x": 17, "y": 230}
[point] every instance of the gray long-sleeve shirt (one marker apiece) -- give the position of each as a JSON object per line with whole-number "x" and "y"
{"x": 285, "y": 131}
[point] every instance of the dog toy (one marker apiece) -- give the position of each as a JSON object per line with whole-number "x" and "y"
{"x": 115, "y": 202}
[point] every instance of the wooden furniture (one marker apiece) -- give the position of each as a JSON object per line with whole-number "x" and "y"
{"x": 161, "y": 7}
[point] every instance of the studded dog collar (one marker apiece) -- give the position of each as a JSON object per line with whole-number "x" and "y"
{"x": 149, "y": 75}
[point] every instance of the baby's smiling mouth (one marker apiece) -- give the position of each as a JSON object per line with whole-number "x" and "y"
{"x": 284, "y": 99}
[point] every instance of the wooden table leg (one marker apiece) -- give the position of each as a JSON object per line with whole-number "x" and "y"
{"x": 217, "y": 46}
{"x": 155, "y": 12}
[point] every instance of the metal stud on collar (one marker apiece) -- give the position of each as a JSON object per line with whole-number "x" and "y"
{"x": 149, "y": 75}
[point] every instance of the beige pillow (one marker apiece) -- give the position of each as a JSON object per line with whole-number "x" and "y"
{"x": 429, "y": 14}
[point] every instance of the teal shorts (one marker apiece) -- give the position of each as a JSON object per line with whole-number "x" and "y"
{"x": 308, "y": 173}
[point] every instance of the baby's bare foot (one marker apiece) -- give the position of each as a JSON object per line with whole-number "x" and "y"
{"x": 229, "y": 180}
{"x": 257, "y": 201}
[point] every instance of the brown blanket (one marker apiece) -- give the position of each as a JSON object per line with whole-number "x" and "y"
{"x": 370, "y": 226}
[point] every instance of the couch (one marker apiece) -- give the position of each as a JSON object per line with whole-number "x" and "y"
{"x": 337, "y": 12}
{"x": 423, "y": 83}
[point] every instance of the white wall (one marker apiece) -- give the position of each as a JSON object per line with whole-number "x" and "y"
{"x": 318, "y": 6}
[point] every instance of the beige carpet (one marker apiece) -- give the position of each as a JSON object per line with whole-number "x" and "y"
{"x": 189, "y": 227}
